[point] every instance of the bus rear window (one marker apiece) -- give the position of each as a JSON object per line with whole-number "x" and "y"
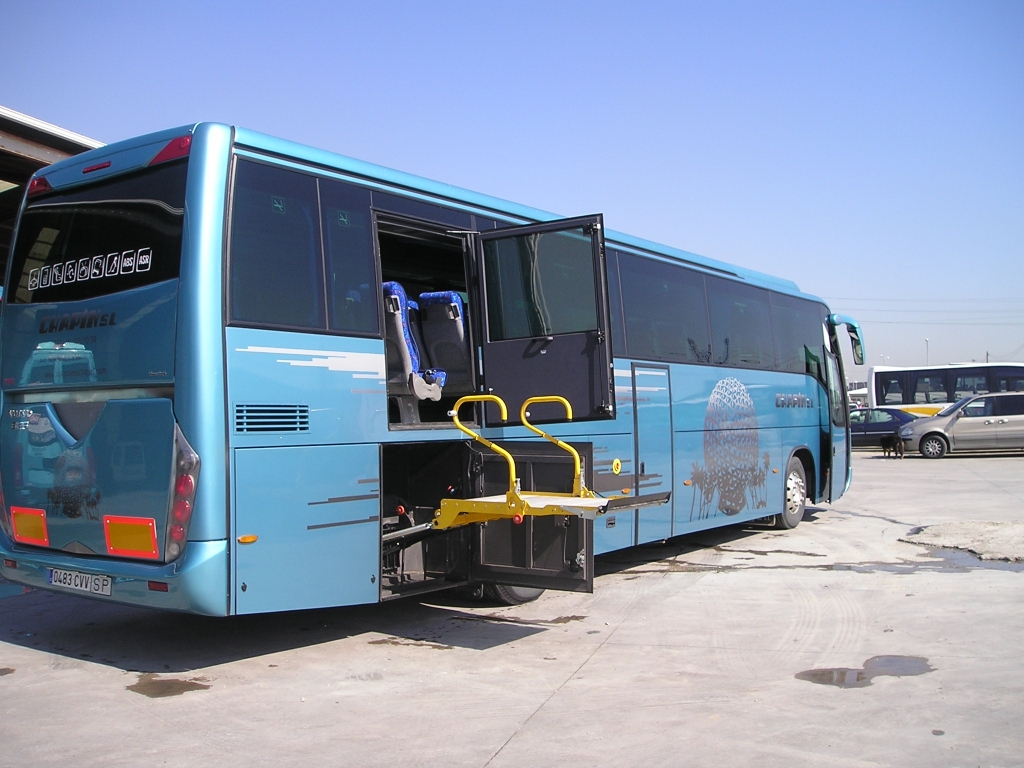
{"x": 108, "y": 237}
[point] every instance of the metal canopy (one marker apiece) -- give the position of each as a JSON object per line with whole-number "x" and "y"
{"x": 26, "y": 145}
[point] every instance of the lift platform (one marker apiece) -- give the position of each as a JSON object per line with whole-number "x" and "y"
{"x": 515, "y": 504}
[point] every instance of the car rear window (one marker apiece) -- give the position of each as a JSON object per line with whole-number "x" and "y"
{"x": 101, "y": 239}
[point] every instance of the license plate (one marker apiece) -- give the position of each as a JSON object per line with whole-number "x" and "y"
{"x": 92, "y": 583}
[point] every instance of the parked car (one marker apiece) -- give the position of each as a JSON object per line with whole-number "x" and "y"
{"x": 869, "y": 425}
{"x": 978, "y": 422}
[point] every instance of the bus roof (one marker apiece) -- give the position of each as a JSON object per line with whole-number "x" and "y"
{"x": 65, "y": 173}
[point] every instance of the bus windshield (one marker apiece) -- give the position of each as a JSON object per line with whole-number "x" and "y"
{"x": 101, "y": 239}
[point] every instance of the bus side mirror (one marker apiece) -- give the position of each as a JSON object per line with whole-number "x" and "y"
{"x": 858, "y": 346}
{"x": 853, "y": 327}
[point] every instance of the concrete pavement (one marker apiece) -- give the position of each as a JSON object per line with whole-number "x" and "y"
{"x": 833, "y": 644}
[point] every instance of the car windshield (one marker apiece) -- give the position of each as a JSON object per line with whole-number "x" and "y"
{"x": 950, "y": 408}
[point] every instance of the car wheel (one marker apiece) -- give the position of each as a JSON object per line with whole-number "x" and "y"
{"x": 933, "y": 447}
{"x": 795, "y": 500}
{"x": 511, "y": 595}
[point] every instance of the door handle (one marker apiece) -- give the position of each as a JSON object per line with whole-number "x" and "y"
{"x": 1002, "y": 421}
{"x": 989, "y": 421}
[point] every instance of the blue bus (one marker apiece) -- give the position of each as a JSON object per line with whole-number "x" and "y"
{"x": 242, "y": 375}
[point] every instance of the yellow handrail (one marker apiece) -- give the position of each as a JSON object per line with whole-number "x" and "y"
{"x": 577, "y": 484}
{"x": 513, "y": 481}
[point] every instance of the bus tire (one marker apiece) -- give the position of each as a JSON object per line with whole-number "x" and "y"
{"x": 795, "y": 498}
{"x": 507, "y": 595}
{"x": 932, "y": 447}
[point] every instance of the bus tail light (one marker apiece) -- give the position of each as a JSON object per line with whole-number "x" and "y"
{"x": 38, "y": 186}
{"x": 183, "y": 493}
{"x": 174, "y": 149}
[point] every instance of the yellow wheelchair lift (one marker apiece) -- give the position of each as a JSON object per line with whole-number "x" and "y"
{"x": 516, "y": 504}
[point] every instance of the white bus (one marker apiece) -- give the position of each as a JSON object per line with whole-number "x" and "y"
{"x": 926, "y": 390}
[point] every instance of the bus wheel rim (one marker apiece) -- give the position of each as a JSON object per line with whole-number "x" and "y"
{"x": 795, "y": 493}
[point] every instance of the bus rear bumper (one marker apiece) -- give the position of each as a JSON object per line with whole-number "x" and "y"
{"x": 196, "y": 583}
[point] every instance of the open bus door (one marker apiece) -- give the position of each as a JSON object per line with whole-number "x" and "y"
{"x": 545, "y": 324}
{"x": 839, "y": 410}
{"x": 545, "y": 332}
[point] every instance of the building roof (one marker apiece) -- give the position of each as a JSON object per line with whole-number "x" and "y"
{"x": 28, "y": 144}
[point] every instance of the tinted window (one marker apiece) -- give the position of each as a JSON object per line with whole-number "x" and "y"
{"x": 888, "y": 388}
{"x": 881, "y": 417}
{"x": 799, "y": 337}
{"x": 1012, "y": 384}
{"x": 352, "y": 285}
{"x": 741, "y": 325}
{"x": 420, "y": 210}
{"x": 930, "y": 389}
{"x": 970, "y": 385}
{"x": 108, "y": 237}
{"x": 665, "y": 311}
{"x": 1012, "y": 405}
{"x": 275, "y": 262}
{"x": 615, "y": 303}
{"x": 540, "y": 284}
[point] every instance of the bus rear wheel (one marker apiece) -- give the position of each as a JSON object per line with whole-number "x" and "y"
{"x": 795, "y": 501}
{"x": 507, "y": 595}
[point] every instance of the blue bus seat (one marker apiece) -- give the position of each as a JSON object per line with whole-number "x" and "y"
{"x": 406, "y": 377}
{"x": 417, "y": 334}
{"x": 443, "y": 319}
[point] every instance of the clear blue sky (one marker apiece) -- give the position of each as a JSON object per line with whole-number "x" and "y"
{"x": 873, "y": 152}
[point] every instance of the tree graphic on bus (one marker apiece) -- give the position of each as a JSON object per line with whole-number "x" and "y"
{"x": 731, "y": 477}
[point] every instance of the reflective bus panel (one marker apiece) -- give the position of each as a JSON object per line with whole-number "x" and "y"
{"x": 231, "y": 366}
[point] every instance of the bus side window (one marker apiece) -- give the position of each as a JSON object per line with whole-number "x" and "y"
{"x": 890, "y": 389}
{"x": 665, "y": 311}
{"x": 741, "y": 324}
{"x": 352, "y": 287}
{"x": 796, "y": 324}
{"x": 275, "y": 259}
{"x": 930, "y": 389}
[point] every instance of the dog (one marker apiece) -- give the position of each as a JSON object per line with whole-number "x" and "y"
{"x": 892, "y": 445}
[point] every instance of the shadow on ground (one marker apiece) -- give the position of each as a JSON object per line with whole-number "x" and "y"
{"x": 148, "y": 641}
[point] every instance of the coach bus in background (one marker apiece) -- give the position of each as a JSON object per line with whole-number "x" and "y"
{"x": 288, "y": 379}
{"x": 926, "y": 391}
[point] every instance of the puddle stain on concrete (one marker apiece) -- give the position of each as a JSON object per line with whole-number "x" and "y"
{"x": 7, "y": 671}
{"x": 411, "y": 642}
{"x": 155, "y": 687}
{"x": 763, "y": 552}
{"x": 966, "y": 559}
{"x": 876, "y": 666}
{"x": 944, "y": 561}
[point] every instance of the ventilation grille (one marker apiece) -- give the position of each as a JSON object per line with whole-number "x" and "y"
{"x": 271, "y": 418}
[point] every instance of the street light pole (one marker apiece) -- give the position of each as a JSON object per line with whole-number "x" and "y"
{"x": 926, "y": 350}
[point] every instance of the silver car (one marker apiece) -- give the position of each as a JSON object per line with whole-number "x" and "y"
{"x": 978, "y": 422}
